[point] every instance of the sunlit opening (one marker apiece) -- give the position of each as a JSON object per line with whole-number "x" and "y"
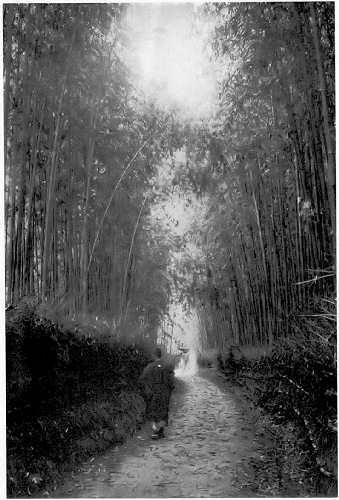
{"x": 188, "y": 365}
{"x": 169, "y": 46}
{"x": 188, "y": 331}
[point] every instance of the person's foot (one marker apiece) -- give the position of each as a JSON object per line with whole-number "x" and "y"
{"x": 159, "y": 434}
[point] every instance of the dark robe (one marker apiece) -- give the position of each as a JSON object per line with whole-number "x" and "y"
{"x": 156, "y": 383}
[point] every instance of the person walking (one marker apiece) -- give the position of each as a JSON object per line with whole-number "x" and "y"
{"x": 156, "y": 383}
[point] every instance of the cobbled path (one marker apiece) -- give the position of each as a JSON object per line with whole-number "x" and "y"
{"x": 208, "y": 440}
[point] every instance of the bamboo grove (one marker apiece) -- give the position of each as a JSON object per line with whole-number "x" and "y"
{"x": 266, "y": 170}
{"x": 80, "y": 150}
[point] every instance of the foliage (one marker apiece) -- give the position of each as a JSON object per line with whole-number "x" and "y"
{"x": 264, "y": 279}
{"x": 56, "y": 443}
{"x": 264, "y": 168}
{"x": 207, "y": 358}
{"x": 296, "y": 382}
{"x": 70, "y": 385}
{"x": 81, "y": 152}
{"x": 73, "y": 365}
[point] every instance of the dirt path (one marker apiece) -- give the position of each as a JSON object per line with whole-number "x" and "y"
{"x": 209, "y": 441}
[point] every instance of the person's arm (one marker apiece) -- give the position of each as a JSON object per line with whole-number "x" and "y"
{"x": 170, "y": 378}
{"x": 144, "y": 384}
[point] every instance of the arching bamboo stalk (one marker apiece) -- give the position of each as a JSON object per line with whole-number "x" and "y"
{"x": 124, "y": 286}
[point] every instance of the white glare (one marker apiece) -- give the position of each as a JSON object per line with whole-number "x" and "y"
{"x": 168, "y": 44}
{"x": 187, "y": 366}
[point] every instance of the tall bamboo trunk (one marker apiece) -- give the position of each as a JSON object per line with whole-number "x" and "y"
{"x": 27, "y": 255}
{"x": 128, "y": 264}
{"x": 264, "y": 264}
{"x": 326, "y": 124}
{"x": 84, "y": 233}
{"x": 51, "y": 182}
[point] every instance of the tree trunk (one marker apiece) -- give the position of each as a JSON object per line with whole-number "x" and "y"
{"x": 84, "y": 233}
{"x": 124, "y": 286}
{"x": 324, "y": 105}
{"x": 51, "y": 183}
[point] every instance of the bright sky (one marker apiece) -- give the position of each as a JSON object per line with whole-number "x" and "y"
{"x": 169, "y": 56}
{"x": 177, "y": 217}
{"x": 170, "y": 59}
{"x": 186, "y": 328}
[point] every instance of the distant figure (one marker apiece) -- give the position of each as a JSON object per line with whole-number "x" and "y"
{"x": 156, "y": 383}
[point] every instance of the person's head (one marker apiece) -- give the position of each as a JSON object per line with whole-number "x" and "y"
{"x": 157, "y": 352}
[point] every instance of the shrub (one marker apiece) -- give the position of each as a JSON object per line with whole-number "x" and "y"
{"x": 52, "y": 366}
{"x": 70, "y": 391}
{"x": 296, "y": 381}
{"x": 207, "y": 358}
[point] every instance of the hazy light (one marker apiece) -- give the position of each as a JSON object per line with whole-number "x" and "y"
{"x": 170, "y": 58}
{"x": 188, "y": 364}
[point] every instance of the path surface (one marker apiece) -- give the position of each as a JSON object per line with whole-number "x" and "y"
{"x": 208, "y": 440}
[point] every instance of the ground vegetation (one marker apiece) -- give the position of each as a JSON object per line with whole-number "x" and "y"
{"x": 83, "y": 152}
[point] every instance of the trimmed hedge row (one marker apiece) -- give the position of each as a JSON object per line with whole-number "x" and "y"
{"x": 49, "y": 367}
{"x": 297, "y": 383}
{"x": 68, "y": 395}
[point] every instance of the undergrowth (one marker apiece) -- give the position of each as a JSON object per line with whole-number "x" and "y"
{"x": 207, "y": 358}
{"x": 295, "y": 381}
{"x": 70, "y": 392}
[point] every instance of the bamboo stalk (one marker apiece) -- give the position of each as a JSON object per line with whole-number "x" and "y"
{"x": 326, "y": 124}
{"x": 52, "y": 175}
{"x": 129, "y": 260}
